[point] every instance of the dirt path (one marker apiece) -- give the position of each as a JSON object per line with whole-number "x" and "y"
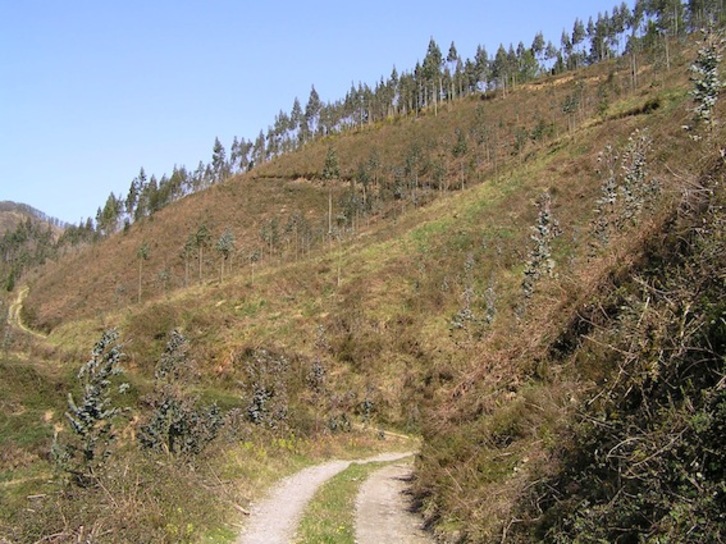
{"x": 14, "y": 313}
{"x": 274, "y": 520}
{"x": 382, "y": 509}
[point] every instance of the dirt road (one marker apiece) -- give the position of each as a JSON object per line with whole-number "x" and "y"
{"x": 14, "y": 313}
{"x": 274, "y": 520}
{"x": 382, "y": 513}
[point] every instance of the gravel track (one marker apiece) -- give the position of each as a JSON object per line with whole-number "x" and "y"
{"x": 383, "y": 510}
{"x": 274, "y": 519}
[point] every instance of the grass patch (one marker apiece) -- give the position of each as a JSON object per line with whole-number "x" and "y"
{"x": 330, "y": 516}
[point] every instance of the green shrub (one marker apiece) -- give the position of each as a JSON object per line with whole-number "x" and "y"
{"x": 91, "y": 421}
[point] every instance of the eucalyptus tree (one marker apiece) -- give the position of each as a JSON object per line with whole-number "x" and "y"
{"x": 553, "y": 57}
{"x": 707, "y": 83}
{"x": 482, "y": 68}
{"x": 395, "y": 91}
{"x": 220, "y": 167}
{"x": 431, "y": 72}
{"x": 538, "y": 48}
{"x": 202, "y": 238}
{"x": 107, "y": 218}
{"x": 540, "y": 262}
{"x": 577, "y": 56}
{"x": 225, "y": 247}
{"x": 452, "y": 62}
{"x": 150, "y": 195}
{"x": 633, "y": 46}
{"x": 259, "y": 150}
{"x": 312, "y": 112}
{"x": 142, "y": 254}
{"x": 667, "y": 20}
{"x": 297, "y": 119}
{"x": 500, "y": 68}
{"x": 135, "y": 206}
{"x": 459, "y": 151}
{"x": 331, "y": 171}
{"x": 85, "y": 453}
{"x": 239, "y": 154}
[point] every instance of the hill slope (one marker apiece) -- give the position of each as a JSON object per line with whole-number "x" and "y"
{"x": 408, "y": 308}
{"x": 13, "y": 213}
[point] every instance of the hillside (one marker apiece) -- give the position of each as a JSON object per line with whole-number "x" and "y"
{"x": 28, "y": 238}
{"x": 278, "y": 212}
{"x": 421, "y": 304}
{"x": 13, "y": 213}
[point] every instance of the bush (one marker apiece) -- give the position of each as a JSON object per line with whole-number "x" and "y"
{"x": 91, "y": 420}
{"x": 177, "y": 426}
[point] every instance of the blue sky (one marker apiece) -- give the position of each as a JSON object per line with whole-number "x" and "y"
{"x": 92, "y": 90}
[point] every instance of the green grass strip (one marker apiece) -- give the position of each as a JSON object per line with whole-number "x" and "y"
{"x": 330, "y": 516}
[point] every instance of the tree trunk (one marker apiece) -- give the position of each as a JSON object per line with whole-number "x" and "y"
{"x": 330, "y": 210}
{"x": 141, "y": 263}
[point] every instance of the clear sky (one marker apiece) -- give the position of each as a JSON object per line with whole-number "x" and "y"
{"x": 92, "y": 90}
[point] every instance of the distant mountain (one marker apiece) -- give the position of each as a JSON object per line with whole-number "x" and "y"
{"x": 13, "y": 213}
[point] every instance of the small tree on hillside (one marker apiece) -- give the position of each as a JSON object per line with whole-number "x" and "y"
{"x": 459, "y": 152}
{"x": 225, "y": 246}
{"x": 270, "y": 234}
{"x": 707, "y": 83}
{"x": 187, "y": 252}
{"x": 177, "y": 426}
{"x": 331, "y": 171}
{"x": 220, "y": 166}
{"x": 626, "y": 188}
{"x": 201, "y": 240}
{"x": 540, "y": 261}
{"x": 605, "y": 208}
{"x": 91, "y": 420}
{"x": 143, "y": 255}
